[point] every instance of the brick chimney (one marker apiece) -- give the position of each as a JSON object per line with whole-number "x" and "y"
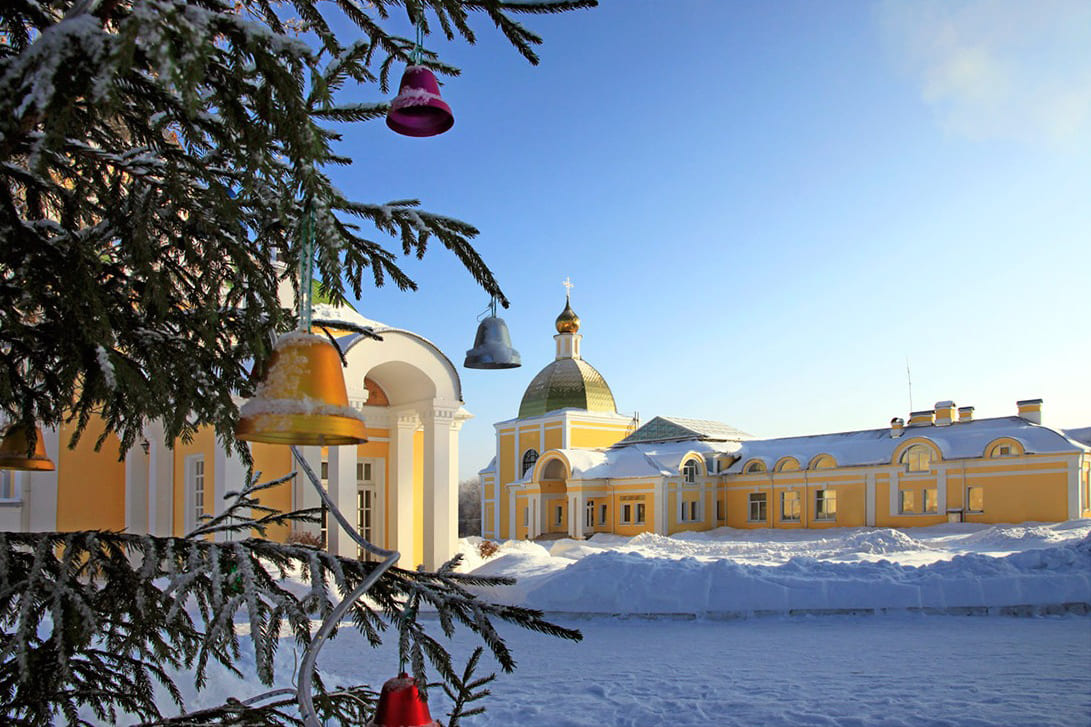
{"x": 965, "y": 414}
{"x": 896, "y": 426}
{"x": 945, "y": 413}
{"x": 1031, "y": 410}
{"x": 922, "y": 418}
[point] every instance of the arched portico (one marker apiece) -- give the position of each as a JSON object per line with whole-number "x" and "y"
{"x": 406, "y": 475}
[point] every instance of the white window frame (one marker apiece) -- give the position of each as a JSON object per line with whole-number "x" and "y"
{"x": 762, "y": 502}
{"x": 903, "y": 495}
{"x": 627, "y": 513}
{"x": 690, "y": 471}
{"x": 823, "y": 499}
{"x": 559, "y": 511}
{"x": 195, "y": 473}
{"x": 602, "y": 513}
{"x": 784, "y": 517}
{"x": 641, "y": 511}
{"x": 9, "y": 485}
{"x": 589, "y": 514}
{"x": 969, "y": 489}
{"x": 525, "y": 466}
{"x": 930, "y": 500}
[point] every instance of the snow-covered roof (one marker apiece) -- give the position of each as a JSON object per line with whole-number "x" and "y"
{"x": 663, "y": 459}
{"x": 664, "y": 429}
{"x": 1081, "y": 435}
{"x": 876, "y": 446}
{"x": 344, "y": 313}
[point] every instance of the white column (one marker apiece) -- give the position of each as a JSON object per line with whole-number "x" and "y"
{"x": 39, "y": 489}
{"x": 228, "y": 475}
{"x": 659, "y": 504}
{"x": 941, "y": 492}
{"x": 893, "y": 504}
{"x": 401, "y": 489}
{"x": 440, "y": 504}
{"x": 160, "y": 481}
{"x": 1073, "y": 487}
{"x": 136, "y": 489}
{"x": 342, "y": 490}
{"x": 303, "y": 494}
{"x": 576, "y": 504}
{"x": 869, "y": 499}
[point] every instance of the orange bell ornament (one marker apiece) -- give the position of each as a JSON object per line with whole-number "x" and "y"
{"x": 13, "y": 450}
{"x": 302, "y": 399}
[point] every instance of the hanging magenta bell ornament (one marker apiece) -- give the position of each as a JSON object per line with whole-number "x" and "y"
{"x": 400, "y": 705}
{"x": 418, "y": 110}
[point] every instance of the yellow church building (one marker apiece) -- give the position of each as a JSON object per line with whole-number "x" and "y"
{"x": 399, "y": 487}
{"x": 570, "y": 465}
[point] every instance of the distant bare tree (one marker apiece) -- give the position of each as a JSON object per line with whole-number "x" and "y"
{"x": 469, "y": 507}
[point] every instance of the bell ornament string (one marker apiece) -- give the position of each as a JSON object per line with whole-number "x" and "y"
{"x": 310, "y": 656}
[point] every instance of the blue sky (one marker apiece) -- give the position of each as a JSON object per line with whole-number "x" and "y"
{"x": 766, "y": 208}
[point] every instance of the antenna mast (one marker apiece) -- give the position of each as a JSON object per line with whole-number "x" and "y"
{"x": 909, "y": 381}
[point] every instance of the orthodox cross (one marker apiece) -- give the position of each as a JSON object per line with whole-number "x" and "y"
{"x": 568, "y": 288}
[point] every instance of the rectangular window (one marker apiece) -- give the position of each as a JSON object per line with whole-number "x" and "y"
{"x": 363, "y": 471}
{"x": 975, "y": 499}
{"x": 907, "y": 502}
{"x": 325, "y": 471}
{"x": 626, "y": 513}
{"x": 7, "y": 485}
{"x": 196, "y": 477}
{"x": 526, "y": 517}
{"x": 325, "y": 530}
{"x": 602, "y": 514}
{"x": 719, "y": 509}
{"x": 365, "y": 512}
{"x": 789, "y": 506}
{"x": 589, "y": 514}
{"x": 560, "y": 515}
{"x": 757, "y": 507}
{"x": 825, "y": 505}
{"x": 639, "y": 513}
{"x": 930, "y": 500}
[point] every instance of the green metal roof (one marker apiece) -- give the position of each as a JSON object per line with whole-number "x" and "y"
{"x": 567, "y": 383}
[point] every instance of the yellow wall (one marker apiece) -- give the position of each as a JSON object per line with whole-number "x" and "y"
{"x": 554, "y": 436}
{"x": 273, "y": 461}
{"x": 587, "y": 436}
{"x": 90, "y": 484}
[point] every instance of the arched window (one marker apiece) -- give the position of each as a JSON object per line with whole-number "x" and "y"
{"x": 690, "y": 471}
{"x": 1005, "y": 448}
{"x": 822, "y": 462}
{"x": 529, "y": 458}
{"x": 918, "y": 458}
{"x": 787, "y": 464}
{"x": 754, "y": 465}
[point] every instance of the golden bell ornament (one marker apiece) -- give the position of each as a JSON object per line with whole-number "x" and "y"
{"x": 302, "y": 399}
{"x": 13, "y": 450}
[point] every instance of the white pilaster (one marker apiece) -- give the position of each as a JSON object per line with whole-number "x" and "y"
{"x": 342, "y": 490}
{"x": 576, "y": 504}
{"x": 869, "y": 499}
{"x": 440, "y": 504}
{"x": 303, "y": 493}
{"x": 659, "y": 505}
{"x": 39, "y": 489}
{"x": 941, "y": 492}
{"x": 401, "y": 489}
{"x": 136, "y": 489}
{"x": 228, "y": 475}
{"x": 892, "y": 500}
{"x": 1073, "y": 487}
{"x": 160, "y": 481}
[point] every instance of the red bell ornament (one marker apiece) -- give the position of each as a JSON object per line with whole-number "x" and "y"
{"x": 418, "y": 109}
{"x": 400, "y": 705}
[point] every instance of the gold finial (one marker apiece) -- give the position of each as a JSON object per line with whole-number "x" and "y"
{"x": 568, "y": 321}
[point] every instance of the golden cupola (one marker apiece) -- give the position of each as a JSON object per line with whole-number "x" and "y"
{"x": 568, "y": 381}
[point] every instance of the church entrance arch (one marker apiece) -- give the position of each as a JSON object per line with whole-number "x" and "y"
{"x": 552, "y": 485}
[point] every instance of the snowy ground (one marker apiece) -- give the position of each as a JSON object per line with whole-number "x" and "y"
{"x": 846, "y": 627}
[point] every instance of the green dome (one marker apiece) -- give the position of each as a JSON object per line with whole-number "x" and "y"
{"x": 565, "y": 383}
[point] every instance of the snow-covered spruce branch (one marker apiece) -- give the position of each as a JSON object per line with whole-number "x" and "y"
{"x": 95, "y": 620}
